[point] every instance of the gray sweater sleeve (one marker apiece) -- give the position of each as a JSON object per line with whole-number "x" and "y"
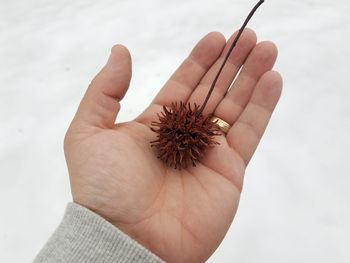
{"x": 83, "y": 236}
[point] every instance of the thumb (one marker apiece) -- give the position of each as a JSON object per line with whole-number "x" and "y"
{"x": 100, "y": 104}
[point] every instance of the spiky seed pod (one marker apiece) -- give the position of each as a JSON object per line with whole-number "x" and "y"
{"x": 183, "y": 135}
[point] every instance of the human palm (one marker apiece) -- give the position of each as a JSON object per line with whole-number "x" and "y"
{"x": 180, "y": 215}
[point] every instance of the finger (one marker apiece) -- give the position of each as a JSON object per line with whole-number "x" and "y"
{"x": 100, "y": 104}
{"x": 247, "y": 131}
{"x": 244, "y": 46}
{"x": 181, "y": 84}
{"x": 260, "y": 60}
{"x": 186, "y": 78}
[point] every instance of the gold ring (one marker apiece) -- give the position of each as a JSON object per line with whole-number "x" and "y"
{"x": 223, "y": 125}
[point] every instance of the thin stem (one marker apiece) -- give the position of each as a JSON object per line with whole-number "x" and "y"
{"x": 229, "y": 53}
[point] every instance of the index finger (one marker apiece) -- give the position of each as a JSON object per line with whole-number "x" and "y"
{"x": 186, "y": 78}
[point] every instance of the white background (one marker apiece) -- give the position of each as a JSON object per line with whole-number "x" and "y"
{"x": 295, "y": 204}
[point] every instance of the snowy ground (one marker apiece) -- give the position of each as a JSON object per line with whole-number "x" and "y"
{"x": 295, "y": 205}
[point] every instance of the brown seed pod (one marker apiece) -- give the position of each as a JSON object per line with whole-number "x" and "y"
{"x": 183, "y": 135}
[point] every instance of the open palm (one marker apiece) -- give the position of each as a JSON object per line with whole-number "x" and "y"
{"x": 180, "y": 215}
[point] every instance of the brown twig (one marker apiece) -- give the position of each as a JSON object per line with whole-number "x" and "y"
{"x": 229, "y": 53}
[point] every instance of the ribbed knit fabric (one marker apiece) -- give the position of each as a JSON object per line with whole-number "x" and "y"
{"x": 84, "y": 236}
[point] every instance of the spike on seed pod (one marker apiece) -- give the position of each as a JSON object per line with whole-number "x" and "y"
{"x": 183, "y": 133}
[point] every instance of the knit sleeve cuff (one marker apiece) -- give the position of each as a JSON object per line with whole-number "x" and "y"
{"x": 84, "y": 236}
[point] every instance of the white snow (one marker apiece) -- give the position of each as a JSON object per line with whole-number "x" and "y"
{"x": 295, "y": 206}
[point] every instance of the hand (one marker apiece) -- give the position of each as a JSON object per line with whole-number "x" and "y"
{"x": 180, "y": 215}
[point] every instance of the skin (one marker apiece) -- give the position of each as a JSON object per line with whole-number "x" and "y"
{"x": 179, "y": 215}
